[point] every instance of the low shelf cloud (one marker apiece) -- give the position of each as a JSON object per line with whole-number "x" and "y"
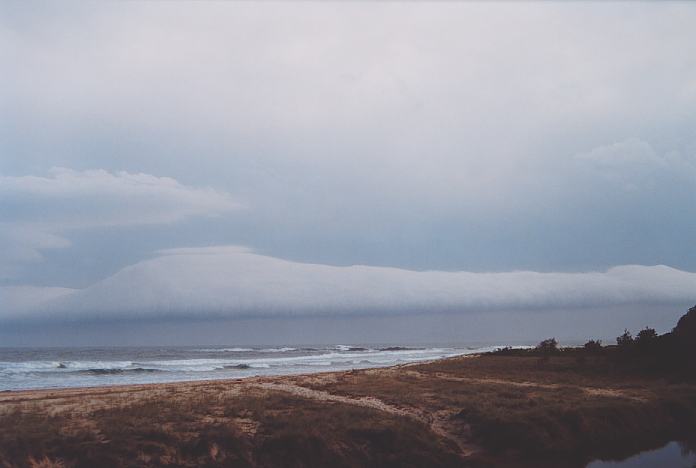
{"x": 232, "y": 281}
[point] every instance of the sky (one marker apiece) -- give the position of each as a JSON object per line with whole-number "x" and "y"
{"x": 207, "y": 172}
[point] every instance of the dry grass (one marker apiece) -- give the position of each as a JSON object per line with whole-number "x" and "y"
{"x": 209, "y": 425}
{"x": 487, "y": 411}
{"x": 523, "y": 412}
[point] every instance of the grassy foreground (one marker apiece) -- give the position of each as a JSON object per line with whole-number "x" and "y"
{"x": 489, "y": 410}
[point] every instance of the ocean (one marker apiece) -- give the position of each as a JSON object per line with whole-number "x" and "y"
{"x": 34, "y": 368}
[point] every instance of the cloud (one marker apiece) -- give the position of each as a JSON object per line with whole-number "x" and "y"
{"x": 419, "y": 135}
{"x": 19, "y": 298}
{"x": 229, "y": 281}
{"x": 37, "y": 211}
{"x": 22, "y": 245}
{"x": 443, "y": 80}
{"x": 625, "y": 153}
{"x": 69, "y": 199}
{"x": 635, "y": 164}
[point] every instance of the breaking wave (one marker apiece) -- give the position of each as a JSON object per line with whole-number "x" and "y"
{"x": 150, "y": 365}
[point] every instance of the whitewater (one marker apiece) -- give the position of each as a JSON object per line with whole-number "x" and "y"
{"x": 33, "y": 368}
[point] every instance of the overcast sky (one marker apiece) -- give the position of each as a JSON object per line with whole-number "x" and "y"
{"x": 391, "y": 166}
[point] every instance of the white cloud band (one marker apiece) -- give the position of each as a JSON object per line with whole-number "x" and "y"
{"x": 233, "y": 281}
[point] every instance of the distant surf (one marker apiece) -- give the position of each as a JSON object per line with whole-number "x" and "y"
{"x": 26, "y": 368}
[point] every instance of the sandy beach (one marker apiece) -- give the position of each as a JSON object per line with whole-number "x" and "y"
{"x": 465, "y": 411}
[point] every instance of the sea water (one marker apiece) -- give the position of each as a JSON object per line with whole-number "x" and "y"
{"x": 33, "y": 368}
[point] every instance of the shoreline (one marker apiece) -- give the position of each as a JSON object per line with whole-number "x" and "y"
{"x": 471, "y": 410}
{"x": 63, "y": 392}
{"x": 78, "y": 370}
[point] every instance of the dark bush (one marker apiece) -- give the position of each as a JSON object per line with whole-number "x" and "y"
{"x": 625, "y": 340}
{"x": 548, "y": 346}
{"x": 646, "y": 338}
{"x": 593, "y": 346}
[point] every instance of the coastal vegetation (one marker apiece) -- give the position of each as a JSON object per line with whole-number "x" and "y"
{"x": 671, "y": 354}
{"x": 550, "y": 406}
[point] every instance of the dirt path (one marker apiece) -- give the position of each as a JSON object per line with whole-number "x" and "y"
{"x": 367, "y": 402}
{"x": 591, "y": 391}
{"x": 437, "y": 422}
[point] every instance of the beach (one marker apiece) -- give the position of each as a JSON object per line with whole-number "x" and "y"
{"x": 479, "y": 410}
{"x": 35, "y": 368}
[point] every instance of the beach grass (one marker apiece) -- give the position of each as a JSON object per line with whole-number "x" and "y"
{"x": 488, "y": 410}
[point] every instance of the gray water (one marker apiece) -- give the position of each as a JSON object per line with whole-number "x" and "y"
{"x": 31, "y": 368}
{"x": 672, "y": 455}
